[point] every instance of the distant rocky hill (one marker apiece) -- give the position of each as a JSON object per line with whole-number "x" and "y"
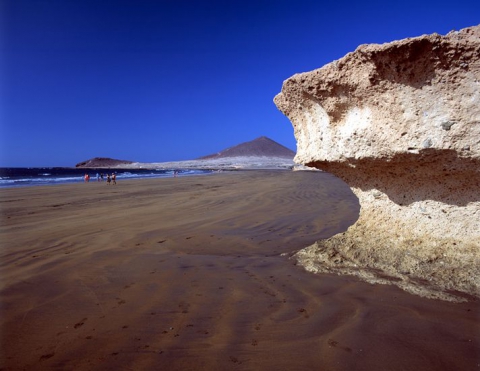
{"x": 261, "y": 146}
{"x": 102, "y": 162}
{"x": 258, "y": 153}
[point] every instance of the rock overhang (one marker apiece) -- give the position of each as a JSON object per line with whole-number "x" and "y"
{"x": 400, "y": 124}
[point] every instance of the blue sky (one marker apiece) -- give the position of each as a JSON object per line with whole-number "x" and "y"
{"x": 172, "y": 80}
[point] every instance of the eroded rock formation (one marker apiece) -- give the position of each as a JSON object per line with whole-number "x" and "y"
{"x": 400, "y": 124}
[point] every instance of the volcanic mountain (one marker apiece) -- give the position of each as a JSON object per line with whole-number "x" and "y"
{"x": 259, "y": 147}
{"x": 102, "y": 162}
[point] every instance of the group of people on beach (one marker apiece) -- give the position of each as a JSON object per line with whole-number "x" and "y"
{"x": 110, "y": 178}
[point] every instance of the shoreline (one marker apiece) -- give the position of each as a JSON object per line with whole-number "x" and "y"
{"x": 17, "y": 177}
{"x": 193, "y": 273}
{"x": 33, "y": 177}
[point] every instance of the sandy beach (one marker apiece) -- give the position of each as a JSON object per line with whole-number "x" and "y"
{"x": 194, "y": 273}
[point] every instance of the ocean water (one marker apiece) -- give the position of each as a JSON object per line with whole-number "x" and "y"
{"x": 26, "y": 177}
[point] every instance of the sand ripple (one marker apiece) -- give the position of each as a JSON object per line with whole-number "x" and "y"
{"x": 188, "y": 274}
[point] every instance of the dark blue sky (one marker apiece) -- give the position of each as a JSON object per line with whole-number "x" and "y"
{"x": 171, "y": 80}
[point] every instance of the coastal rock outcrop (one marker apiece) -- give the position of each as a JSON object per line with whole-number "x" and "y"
{"x": 400, "y": 124}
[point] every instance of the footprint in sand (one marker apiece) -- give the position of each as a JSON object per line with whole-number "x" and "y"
{"x": 304, "y": 311}
{"x": 80, "y": 323}
{"x": 47, "y": 356}
{"x": 184, "y": 307}
{"x": 235, "y": 360}
{"x": 335, "y": 344}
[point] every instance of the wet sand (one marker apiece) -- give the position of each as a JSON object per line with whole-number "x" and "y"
{"x": 194, "y": 274}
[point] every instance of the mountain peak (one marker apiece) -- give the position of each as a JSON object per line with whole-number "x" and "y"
{"x": 262, "y": 146}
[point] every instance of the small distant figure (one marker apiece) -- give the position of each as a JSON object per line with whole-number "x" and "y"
{"x": 101, "y": 176}
{"x": 175, "y": 173}
{"x": 98, "y": 177}
{"x": 108, "y": 179}
{"x": 86, "y": 178}
{"x": 114, "y": 178}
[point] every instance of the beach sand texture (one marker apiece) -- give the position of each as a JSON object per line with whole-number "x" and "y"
{"x": 194, "y": 273}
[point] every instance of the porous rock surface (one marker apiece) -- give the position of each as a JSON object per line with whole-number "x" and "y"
{"x": 400, "y": 124}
